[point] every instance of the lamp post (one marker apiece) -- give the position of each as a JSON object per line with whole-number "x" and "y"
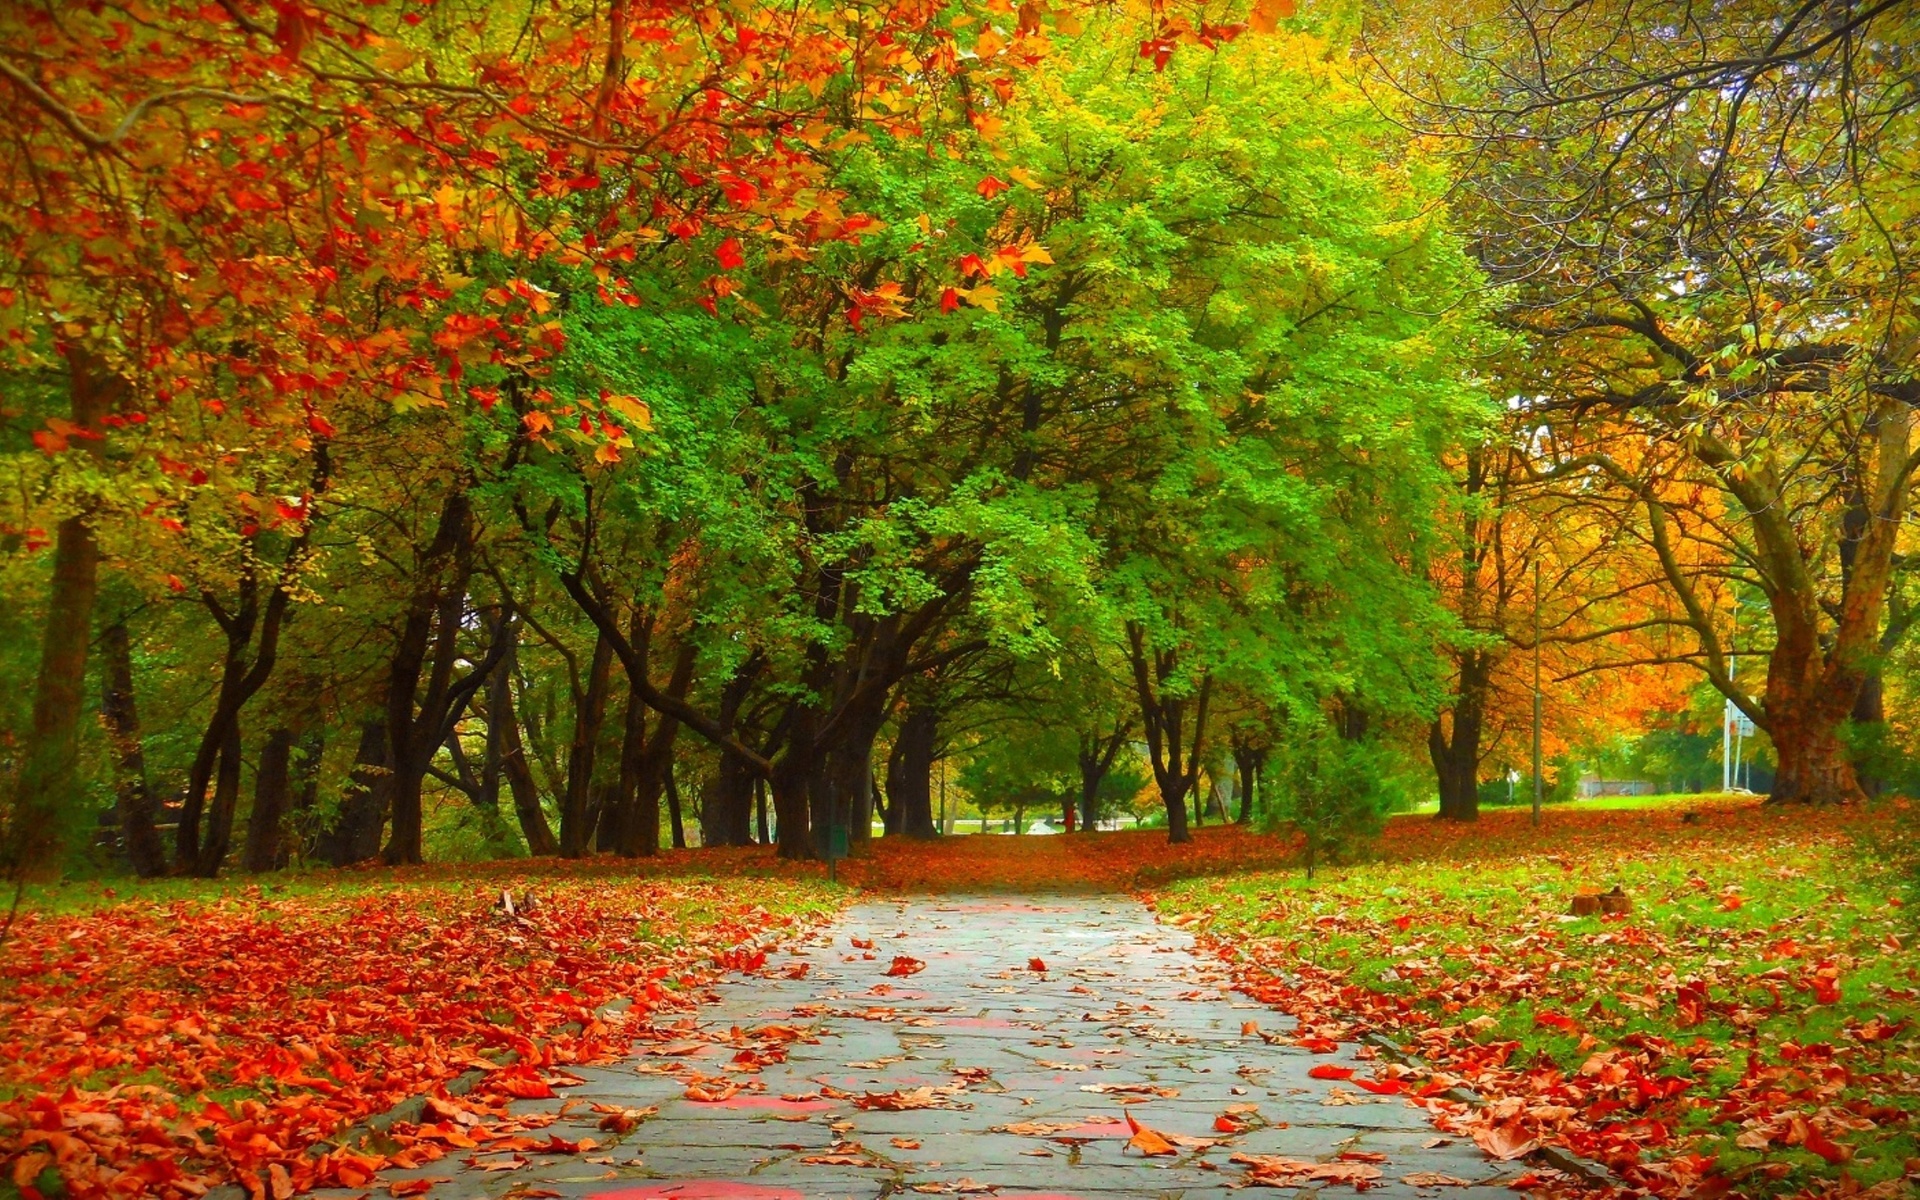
{"x": 1537, "y": 783}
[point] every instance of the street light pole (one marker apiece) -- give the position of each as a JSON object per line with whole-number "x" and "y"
{"x": 1537, "y": 783}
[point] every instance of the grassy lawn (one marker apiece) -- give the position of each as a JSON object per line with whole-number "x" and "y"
{"x": 1748, "y": 1026}
{"x": 195, "y": 1033}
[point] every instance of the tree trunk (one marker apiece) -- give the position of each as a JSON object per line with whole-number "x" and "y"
{"x": 499, "y": 712}
{"x": 1163, "y": 720}
{"x": 1456, "y": 759}
{"x": 133, "y": 797}
{"x": 726, "y": 819}
{"x": 1247, "y": 761}
{"x": 355, "y": 834}
{"x": 419, "y": 722}
{"x": 676, "y": 823}
{"x": 1814, "y": 766}
{"x": 526, "y": 792}
{"x": 590, "y": 713}
{"x": 1173, "y": 798}
{"x": 792, "y": 786}
{"x": 266, "y": 848}
{"x": 1096, "y": 756}
{"x": 49, "y": 778}
{"x": 226, "y": 801}
{"x": 760, "y": 803}
{"x": 910, "y": 773}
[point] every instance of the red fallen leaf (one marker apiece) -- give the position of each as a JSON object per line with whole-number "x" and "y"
{"x": 1036, "y": 964}
{"x": 1555, "y": 1020}
{"x": 1403, "y": 923}
{"x": 1329, "y": 1071}
{"x": 701, "y": 1094}
{"x": 1226, "y": 1124}
{"x": 1504, "y": 1141}
{"x": 523, "y": 1087}
{"x": 1834, "y": 1152}
{"x": 906, "y": 964}
{"x": 862, "y": 943}
{"x": 1381, "y": 1087}
{"x": 415, "y": 1187}
{"x": 1250, "y": 1029}
{"x": 1150, "y": 1142}
{"x": 555, "y": 1144}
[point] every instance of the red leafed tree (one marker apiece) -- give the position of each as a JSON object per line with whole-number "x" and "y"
{"x": 271, "y": 208}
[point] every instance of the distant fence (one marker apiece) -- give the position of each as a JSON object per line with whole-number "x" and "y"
{"x": 1588, "y": 788}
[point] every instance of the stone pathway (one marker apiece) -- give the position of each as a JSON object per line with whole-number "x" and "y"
{"x": 1027, "y": 1071}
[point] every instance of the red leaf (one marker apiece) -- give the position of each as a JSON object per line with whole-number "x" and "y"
{"x": 1329, "y": 1071}
{"x": 729, "y": 256}
{"x": 904, "y": 964}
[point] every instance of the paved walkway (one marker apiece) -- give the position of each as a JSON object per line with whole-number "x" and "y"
{"x": 979, "y": 1072}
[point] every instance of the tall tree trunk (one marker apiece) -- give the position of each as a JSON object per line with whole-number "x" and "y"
{"x": 677, "y": 826}
{"x": 355, "y": 833}
{"x": 49, "y": 778}
{"x": 1456, "y": 758}
{"x": 133, "y": 797}
{"x": 1164, "y": 721}
{"x": 910, "y": 771}
{"x": 590, "y": 713}
{"x": 760, "y": 803}
{"x": 419, "y": 721}
{"x": 1096, "y": 757}
{"x": 266, "y": 848}
{"x": 792, "y": 786}
{"x": 526, "y": 792}
{"x": 499, "y": 712}
{"x": 226, "y": 801}
{"x": 1247, "y": 761}
{"x": 726, "y": 819}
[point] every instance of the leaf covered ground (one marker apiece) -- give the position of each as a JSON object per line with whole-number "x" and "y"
{"x": 1751, "y": 1027}
{"x": 161, "y": 1046}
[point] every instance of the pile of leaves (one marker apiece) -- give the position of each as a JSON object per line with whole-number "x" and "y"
{"x": 1117, "y": 861}
{"x": 1746, "y": 1028}
{"x": 163, "y": 1048}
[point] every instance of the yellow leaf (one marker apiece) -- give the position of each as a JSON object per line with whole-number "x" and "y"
{"x": 607, "y": 454}
{"x": 1033, "y": 252}
{"x": 633, "y": 410}
{"x": 985, "y": 296}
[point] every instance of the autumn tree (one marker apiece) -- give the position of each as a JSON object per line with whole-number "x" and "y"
{"x": 1707, "y": 219}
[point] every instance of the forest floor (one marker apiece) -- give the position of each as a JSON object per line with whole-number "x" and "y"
{"x": 1753, "y": 1012}
{"x": 161, "y": 1045}
{"x": 1748, "y": 1028}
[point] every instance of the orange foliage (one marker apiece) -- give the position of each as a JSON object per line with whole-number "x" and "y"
{"x": 317, "y": 1011}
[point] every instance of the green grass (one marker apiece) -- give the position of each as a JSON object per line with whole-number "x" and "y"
{"x": 1751, "y": 901}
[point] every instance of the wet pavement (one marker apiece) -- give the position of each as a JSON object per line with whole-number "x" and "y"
{"x": 1003, "y": 1056}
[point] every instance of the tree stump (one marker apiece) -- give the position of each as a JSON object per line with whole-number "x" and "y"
{"x": 1585, "y": 904}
